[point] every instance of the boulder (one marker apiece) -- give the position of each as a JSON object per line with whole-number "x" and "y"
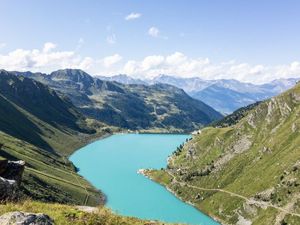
{"x": 14, "y": 171}
{"x": 10, "y": 179}
{"x": 22, "y": 218}
{"x": 7, "y": 189}
{"x": 296, "y": 166}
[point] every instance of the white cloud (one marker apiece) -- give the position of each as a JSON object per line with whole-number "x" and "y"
{"x": 154, "y": 32}
{"x": 86, "y": 63}
{"x": 48, "y": 46}
{"x": 175, "y": 64}
{"x": 111, "y": 60}
{"x": 49, "y": 58}
{"x": 111, "y": 39}
{"x": 151, "y": 62}
{"x": 180, "y": 65}
{"x": 175, "y": 58}
{"x": 133, "y": 16}
{"x": 44, "y": 60}
{"x": 130, "y": 67}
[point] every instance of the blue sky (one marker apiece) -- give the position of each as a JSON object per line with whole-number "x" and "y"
{"x": 253, "y": 33}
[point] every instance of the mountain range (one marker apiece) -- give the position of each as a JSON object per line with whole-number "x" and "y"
{"x": 223, "y": 95}
{"x": 242, "y": 168}
{"x": 129, "y": 106}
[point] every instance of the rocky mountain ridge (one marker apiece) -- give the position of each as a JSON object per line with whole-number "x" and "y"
{"x": 224, "y": 95}
{"x": 133, "y": 106}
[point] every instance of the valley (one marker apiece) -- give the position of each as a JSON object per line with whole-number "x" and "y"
{"x": 135, "y": 112}
{"x": 43, "y": 128}
{"x": 215, "y": 164}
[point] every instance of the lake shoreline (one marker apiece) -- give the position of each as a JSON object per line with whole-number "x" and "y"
{"x": 144, "y": 173}
{"x": 162, "y": 142}
{"x": 89, "y": 139}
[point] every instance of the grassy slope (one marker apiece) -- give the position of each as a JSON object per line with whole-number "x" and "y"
{"x": 65, "y": 215}
{"x": 47, "y": 176}
{"x": 43, "y": 129}
{"x": 259, "y": 153}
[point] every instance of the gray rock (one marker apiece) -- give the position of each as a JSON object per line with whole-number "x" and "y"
{"x": 7, "y": 189}
{"x": 296, "y": 166}
{"x": 14, "y": 171}
{"x": 10, "y": 179}
{"x": 21, "y": 218}
{"x": 265, "y": 195}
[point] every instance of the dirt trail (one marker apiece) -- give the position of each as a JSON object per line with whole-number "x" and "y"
{"x": 251, "y": 201}
{"x": 86, "y": 191}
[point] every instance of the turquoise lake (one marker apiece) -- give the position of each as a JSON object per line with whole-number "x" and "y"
{"x": 111, "y": 164}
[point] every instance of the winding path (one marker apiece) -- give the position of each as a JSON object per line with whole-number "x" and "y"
{"x": 251, "y": 201}
{"x": 86, "y": 191}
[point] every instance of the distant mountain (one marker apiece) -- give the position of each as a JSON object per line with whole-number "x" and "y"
{"x": 131, "y": 106}
{"x": 227, "y": 96}
{"x": 123, "y": 79}
{"x": 188, "y": 84}
{"x": 246, "y": 170}
{"x": 235, "y": 117}
{"x": 223, "y": 95}
{"x": 225, "y": 99}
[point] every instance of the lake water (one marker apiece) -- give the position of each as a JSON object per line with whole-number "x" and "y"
{"x": 111, "y": 164}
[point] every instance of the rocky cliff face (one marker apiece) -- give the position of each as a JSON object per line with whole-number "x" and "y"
{"x": 10, "y": 178}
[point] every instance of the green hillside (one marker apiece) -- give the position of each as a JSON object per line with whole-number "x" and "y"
{"x": 246, "y": 173}
{"x": 235, "y": 117}
{"x": 48, "y": 177}
{"x": 136, "y": 106}
{"x": 39, "y": 127}
{"x": 66, "y": 214}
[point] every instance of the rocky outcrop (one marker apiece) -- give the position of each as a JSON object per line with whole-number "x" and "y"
{"x": 7, "y": 189}
{"x": 21, "y": 218}
{"x": 14, "y": 171}
{"x": 10, "y": 178}
{"x": 265, "y": 195}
